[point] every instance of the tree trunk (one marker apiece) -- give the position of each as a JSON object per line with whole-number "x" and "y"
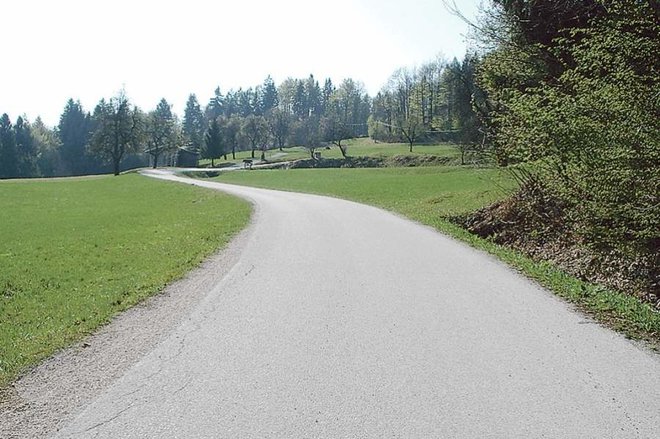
{"x": 233, "y": 153}
{"x": 263, "y": 156}
{"x": 155, "y": 161}
{"x": 411, "y": 143}
{"x": 212, "y": 163}
{"x": 115, "y": 166}
{"x": 252, "y": 152}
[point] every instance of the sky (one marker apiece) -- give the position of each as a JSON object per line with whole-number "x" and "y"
{"x": 91, "y": 49}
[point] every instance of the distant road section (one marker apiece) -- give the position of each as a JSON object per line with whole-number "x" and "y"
{"x": 344, "y": 321}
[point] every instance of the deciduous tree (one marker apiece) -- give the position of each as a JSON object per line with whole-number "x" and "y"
{"x": 161, "y": 131}
{"x": 119, "y": 129}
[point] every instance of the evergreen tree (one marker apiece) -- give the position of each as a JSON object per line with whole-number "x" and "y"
{"x": 326, "y": 93}
{"x": 313, "y": 95}
{"x": 299, "y": 104}
{"x": 74, "y": 131}
{"x": 244, "y": 100}
{"x": 193, "y": 124}
{"x": 213, "y": 141}
{"x": 269, "y": 98}
{"x": 214, "y": 109}
{"x": 8, "y": 155}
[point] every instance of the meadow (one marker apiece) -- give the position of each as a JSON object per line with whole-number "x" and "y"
{"x": 423, "y": 193}
{"x": 355, "y": 148}
{"x": 74, "y": 252}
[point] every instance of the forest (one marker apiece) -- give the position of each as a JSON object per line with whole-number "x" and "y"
{"x": 562, "y": 94}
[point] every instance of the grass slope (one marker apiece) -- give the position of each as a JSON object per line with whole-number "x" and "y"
{"x": 74, "y": 252}
{"x": 429, "y": 195}
{"x": 420, "y": 193}
{"x": 356, "y": 148}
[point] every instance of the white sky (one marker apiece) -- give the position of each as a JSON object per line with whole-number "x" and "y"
{"x": 89, "y": 49}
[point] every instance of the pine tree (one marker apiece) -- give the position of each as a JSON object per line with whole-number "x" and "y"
{"x": 269, "y": 97}
{"x": 214, "y": 109}
{"x": 8, "y": 156}
{"x": 213, "y": 141}
{"x": 74, "y": 131}
{"x": 193, "y": 124}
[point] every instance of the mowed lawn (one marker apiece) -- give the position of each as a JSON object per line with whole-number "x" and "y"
{"x": 426, "y": 194}
{"x": 73, "y": 252}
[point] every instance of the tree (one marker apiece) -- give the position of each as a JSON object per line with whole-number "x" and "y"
{"x": 74, "y": 131}
{"x": 279, "y": 124}
{"x": 118, "y": 129}
{"x": 462, "y": 96}
{"x": 47, "y": 146}
{"x": 269, "y": 97}
{"x": 161, "y": 131}
{"x": 307, "y": 133}
{"x": 255, "y": 130}
{"x": 231, "y": 128}
{"x": 213, "y": 141}
{"x": 215, "y": 109}
{"x": 194, "y": 124}
{"x": 410, "y": 127}
{"x": 8, "y": 155}
{"x": 334, "y": 130}
{"x": 26, "y": 152}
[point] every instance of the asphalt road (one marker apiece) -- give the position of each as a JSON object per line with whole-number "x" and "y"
{"x": 344, "y": 321}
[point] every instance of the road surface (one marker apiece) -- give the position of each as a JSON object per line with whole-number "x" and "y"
{"x": 344, "y": 321}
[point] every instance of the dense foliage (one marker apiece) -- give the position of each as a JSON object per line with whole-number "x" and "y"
{"x": 575, "y": 96}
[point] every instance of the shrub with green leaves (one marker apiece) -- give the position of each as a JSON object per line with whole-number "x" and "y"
{"x": 593, "y": 130}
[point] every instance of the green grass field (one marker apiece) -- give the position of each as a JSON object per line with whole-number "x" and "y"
{"x": 429, "y": 195}
{"x": 356, "y": 147}
{"x": 421, "y": 193}
{"x": 73, "y": 252}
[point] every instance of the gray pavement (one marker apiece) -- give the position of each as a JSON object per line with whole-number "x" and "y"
{"x": 344, "y": 321}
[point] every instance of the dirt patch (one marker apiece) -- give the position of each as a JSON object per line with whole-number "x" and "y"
{"x": 534, "y": 223}
{"x": 53, "y": 392}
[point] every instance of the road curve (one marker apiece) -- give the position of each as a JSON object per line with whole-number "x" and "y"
{"x": 344, "y": 321}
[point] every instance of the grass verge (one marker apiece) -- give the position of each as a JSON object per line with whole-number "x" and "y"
{"x": 430, "y": 196}
{"x": 75, "y": 252}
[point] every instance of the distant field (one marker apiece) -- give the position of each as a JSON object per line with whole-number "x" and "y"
{"x": 73, "y": 252}
{"x": 356, "y": 147}
{"x": 424, "y": 194}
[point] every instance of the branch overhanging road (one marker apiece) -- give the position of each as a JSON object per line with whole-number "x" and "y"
{"x": 342, "y": 320}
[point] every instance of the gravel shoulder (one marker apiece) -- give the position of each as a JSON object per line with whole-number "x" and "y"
{"x": 55, "y": 391}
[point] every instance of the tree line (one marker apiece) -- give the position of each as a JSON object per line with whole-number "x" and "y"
{"x": 432, "y": 102}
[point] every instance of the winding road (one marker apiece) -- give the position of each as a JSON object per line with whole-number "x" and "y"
{"x": 341, "y": 320}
